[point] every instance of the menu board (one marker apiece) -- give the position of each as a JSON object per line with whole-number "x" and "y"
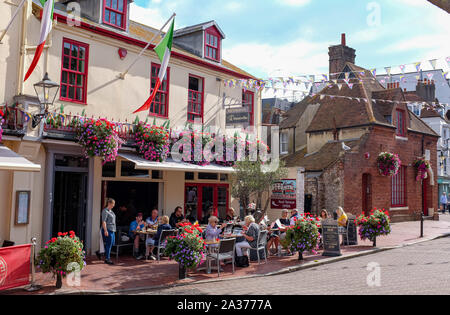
{"x": 352, "y": 231}
{"x": 330, "y": 238}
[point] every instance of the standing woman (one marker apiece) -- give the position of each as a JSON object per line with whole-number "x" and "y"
{"x": 109, "y": 229}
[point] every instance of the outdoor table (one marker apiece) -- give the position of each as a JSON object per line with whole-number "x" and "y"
{"x": 147, "y": 233}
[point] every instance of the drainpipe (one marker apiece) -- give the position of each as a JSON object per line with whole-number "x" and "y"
{"x": 295, "y": 127}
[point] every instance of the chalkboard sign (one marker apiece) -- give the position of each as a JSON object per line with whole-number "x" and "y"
{"x": 235, "y": 116}
{"x": 352, "y": 231}
{"x": 330, "y": 238}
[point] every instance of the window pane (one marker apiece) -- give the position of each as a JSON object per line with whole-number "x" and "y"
{"x": 79, "y": 80}
{"x": 74, "y": 51}
{"x": 82, "y": 53}
{"x": 63, "y": 90}
{"x": 73, "y": 64}
{"x": 114, "y": 4}
{"x": 79, "y": 94}
{"x": 108, "y": 3}
{"x": 64, "y": 77}
{"x": 66, "y": 62}
{"x": 66, "y": 49}
{"x": 107, "y": 15}
{"x": 113, "y": 18}
{"x": 81, "y": 66}
{"x": 71, "y": 92}
{"x": 121, "y": 5}
{"x": 119, "y": 20}
{"x": 72, "y": 78}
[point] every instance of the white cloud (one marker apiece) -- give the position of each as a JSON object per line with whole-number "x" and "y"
{"x": 296, "y": 3}
{"x": 148, "y": 16}
{"x": 294, "y": 58}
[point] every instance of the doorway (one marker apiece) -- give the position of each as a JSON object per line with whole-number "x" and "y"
{"x": 366, "y": 194}
{"x": 69, "y": 207}
{"x": 201, "y": 198}
{"x": 131, "y": 198}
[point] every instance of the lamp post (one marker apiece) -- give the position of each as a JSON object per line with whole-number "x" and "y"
{"x": 46, "y": 91}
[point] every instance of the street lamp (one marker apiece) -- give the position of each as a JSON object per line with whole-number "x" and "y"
{"x": 46, "y": 91}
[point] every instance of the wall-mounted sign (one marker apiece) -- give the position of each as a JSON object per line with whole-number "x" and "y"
{"x": 22, "y": 207}
{"x": 237, "y": 116}
{"x": 284, "y": 194}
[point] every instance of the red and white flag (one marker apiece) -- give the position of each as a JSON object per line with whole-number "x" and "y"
{"x": 14, "y": 266}
{"x": 46, "y": 27}
{"x": 163, "y": 50}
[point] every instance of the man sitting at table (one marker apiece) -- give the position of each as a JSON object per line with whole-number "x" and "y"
{"x": 280, "y": 232}
{"x": 153, "y": 220}
{"x": 177, "y": 218}
{"x": 154, "y": 242}
{"x": 251, "y": 232}
{"x": 137, "y": 224}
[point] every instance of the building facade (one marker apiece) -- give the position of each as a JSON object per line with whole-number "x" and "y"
{"x": 87, "y": 59}
{"x": 354, "y": 121}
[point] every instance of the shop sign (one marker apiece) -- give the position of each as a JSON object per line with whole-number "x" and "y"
{"x": 237, "y": 116}
{"x": 284, "y": 194}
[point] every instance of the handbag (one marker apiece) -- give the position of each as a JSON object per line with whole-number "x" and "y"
{"x": 242, "y": 261}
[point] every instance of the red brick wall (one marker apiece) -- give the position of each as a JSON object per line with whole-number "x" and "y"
{"x": 381, "y": 139}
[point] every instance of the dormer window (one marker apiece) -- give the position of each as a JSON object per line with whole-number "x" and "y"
{"x": 115, "y": 13}
{"x": 212, "y": 44}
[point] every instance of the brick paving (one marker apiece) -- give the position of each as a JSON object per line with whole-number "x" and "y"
{"x": 129, "y": 274}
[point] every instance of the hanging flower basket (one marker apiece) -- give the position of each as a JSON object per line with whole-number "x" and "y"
{"x": 388, "y": 164}
{"x": 303, "y": 236}
{"x": 98, "y": 138}
{"x": 152, "y": 142}
{"x": 423, "y": 167}
{"x": 62, "y": 255}
{"x": 377, "y": 224}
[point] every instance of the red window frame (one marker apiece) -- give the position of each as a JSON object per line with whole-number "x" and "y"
{"x": 66, "y": 73}
{"x": 398, "y": 188}
{"x": 157, "y": 101}
{"x": 400, "y": 122}
{"x": 111, "y": 9}
{"x": 192, "y": 102}
{"x": 212, "y": 46}
{"x": 251, "y": 105}
{"x": 215, "y": 200}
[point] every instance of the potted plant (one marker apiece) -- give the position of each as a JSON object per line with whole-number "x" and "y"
{"x": 59, "y": 254}
{"x": 376, "y": 224}
{"x": 388, "y": 164}
{"x": 303, "y": 236}
{"x": 152, "y": 142}
{"x": 187, "y": 248}
{"x": 423, "y": 167}
{"x": 98, "y": 138}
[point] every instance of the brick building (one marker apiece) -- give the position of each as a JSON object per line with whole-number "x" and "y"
{"x": 357, "y": 119}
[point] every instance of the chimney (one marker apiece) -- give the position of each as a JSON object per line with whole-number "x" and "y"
{"x": 426, "y": 89}
{"x": 339, "y": 55}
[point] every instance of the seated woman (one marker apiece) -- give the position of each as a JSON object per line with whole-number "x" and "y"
{"x": 251, "y": 232}
{"x": 342, "y": 217}
{"x": 323, "y": 215}
{"x": 230, "y": 215}
{"x": 212, "y": 231}
{"x": 154, "y": 242}
{"x": 280, "y": 233}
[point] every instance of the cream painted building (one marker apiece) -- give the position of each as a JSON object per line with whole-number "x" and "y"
{"x": 86, "y": 60}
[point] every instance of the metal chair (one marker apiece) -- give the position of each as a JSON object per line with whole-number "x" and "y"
{"x": 225, "y": 251}
{"x": 121, "y": 230}
{"x": 261, "y": 244}
{"x": 162, "y": 244}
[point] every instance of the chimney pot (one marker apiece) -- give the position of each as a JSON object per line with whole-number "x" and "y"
{"x": 343, "y": 41}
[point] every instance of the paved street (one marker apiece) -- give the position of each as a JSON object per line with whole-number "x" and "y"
{"x": 418, "y": 269}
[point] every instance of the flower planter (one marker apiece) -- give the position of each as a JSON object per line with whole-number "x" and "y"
{"x": 182, "y": 272}
{"x": 300, "y": 256}
{"x": 58, "y": 281}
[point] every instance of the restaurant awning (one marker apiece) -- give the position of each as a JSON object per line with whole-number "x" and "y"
{"x": 171, "y": 165}
{"x": 11, "y": 161}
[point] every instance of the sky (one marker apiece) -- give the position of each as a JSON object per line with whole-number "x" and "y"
{"x": 270, "y": 38}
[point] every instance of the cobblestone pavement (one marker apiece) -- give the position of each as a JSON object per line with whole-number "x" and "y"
{"x": 417, "y": 269}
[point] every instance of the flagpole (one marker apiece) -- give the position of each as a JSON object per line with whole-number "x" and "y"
{"x": 12, "y": 20}
{"x": 122, "y": 75}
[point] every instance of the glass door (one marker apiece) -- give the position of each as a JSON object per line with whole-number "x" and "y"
{"x": 204, "y": 199}
{"x": 222, "y": 201}
{"x": 208, "y": 203}
{"x": 191, "y": 201}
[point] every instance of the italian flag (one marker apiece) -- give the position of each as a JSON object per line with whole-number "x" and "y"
{"x": 163, "y": 50}
{"x": 46, "y": 27}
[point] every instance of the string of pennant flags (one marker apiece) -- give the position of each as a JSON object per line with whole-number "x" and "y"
{"x": 309, "y": 79}
{"x": 430, "y": 105}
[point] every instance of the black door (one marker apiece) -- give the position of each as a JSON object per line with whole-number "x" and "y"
{"x": 308, "y": 203}
{"x": 69, "y": 206}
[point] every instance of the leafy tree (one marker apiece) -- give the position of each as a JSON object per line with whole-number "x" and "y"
{"x": 251, "y": 178}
